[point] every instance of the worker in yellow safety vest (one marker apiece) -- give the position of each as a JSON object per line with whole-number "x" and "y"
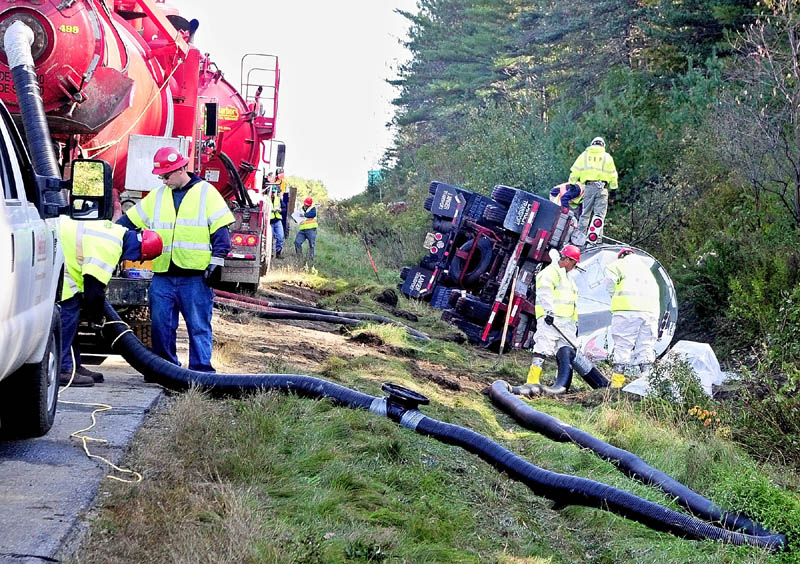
{"x": 635, "y": 308}
{"x": 556, "y": 306}
{"x": 567, "y": 195}
{"x": 192, "y": 218}
{"x": 595, "y": 169}
{"x": 307, "y": 230}
{"x": 92, "y": 249}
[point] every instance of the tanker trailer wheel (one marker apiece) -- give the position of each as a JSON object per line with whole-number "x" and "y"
{"x": 28, "y": 397}
{"x": 495, "y": 214}
{"x": 428, "y": 203}
{"x": 481, "y": 259}
{"x": 503, "y": 194}
{"x": 473, "y": 309}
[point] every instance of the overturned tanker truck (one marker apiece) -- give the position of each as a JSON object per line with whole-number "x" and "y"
{"x": 120, "y": 79}
{"x": 482, "y": 257}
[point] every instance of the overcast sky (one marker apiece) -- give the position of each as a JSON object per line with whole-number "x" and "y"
{"x": 334, "y": 57}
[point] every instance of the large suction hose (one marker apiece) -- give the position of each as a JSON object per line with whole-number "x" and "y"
{"x": 17, "y": 43}
{"x": 401, "y": 407}
{"x": 229, "y": 299}
{"x": 628, "y": 463}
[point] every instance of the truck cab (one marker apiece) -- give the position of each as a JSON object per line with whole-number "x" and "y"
{"x": 31, "y": 267}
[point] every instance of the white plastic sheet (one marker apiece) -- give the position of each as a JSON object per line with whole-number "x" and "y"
{"x": 700, "y": 357}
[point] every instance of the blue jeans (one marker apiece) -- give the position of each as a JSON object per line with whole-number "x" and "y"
{"x": 190, "y": 296}
{"x": 277, "y": 234}
{"x": 309, "y": 235}
{"x": 70, "y": 316}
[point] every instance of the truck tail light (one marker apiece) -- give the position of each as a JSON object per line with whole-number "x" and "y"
{"x": 244, "y": 240}
{"x": 595, "y": 229}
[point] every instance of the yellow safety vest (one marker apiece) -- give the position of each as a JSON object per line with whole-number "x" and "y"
{"x": 276, "y": 207}
{"x": 594, "y": 164}
{"x": 636, "y": 288}
{"x": 187, "y": 234}
{"x": 557, "y": 292}
{"x": 309, "y": 223}
{"x": 91, "y": 247}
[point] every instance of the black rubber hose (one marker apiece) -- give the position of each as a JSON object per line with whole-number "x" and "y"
{"x": 277, "y": 314}
{"x": 564, "y": 490}
{"x": 17, "y": 42}
{"x": 627, "y": 462}
{"x": 242, "y": 197}
{"x": 315, "y": 310}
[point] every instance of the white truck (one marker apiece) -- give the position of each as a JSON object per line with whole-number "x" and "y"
{"x": 31, "y": 271}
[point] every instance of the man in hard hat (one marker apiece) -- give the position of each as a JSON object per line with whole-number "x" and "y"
{"x": 192, "y": 219}
{"x": 307, "y": 230}
{"x": 635, "y": 306}
{"x": 276, "y": 218}
{"x": 92, "y": 249}
{"x": 595, "y": 169}
{"x": 556, "y": 307}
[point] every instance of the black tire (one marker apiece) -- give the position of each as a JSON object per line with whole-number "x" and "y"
{"x": 29, "y": 396}
{"x": 503, "y": 194}
{"x": 432, "y": 188}
{"x": 477, "y": 267}
{"x": 452, "y": 299}
{"x": 404, "y": 272}
{"x": 495, "y": 214}
{"x": 428, "y": 203}
{"x": 442, "y": 225}
{"x": 473, "y": 309}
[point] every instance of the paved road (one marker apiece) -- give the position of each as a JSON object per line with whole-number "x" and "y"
{"x": 47, "y": 484}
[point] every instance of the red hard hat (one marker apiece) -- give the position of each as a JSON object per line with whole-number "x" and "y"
{"x": 625, "y": 251}
{"x": 152, "y": 245}
{"x": 571, "y": 251}
{"x": 308, "y": 202}
{"x": 168, "y": 159}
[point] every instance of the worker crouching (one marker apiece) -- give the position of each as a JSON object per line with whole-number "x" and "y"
{"x": 556, "y": 310}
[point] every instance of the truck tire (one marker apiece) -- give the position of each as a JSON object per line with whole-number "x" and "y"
{"x": 432, "y": 188}
{"x": 503, "y": 194}
{"x": 478, "y": 265}
{"x": 495, "y": 214}
{"x": 29, "y": 396}
{"x": 473, "y": 309}
{"x": 442, "y": 225}
{"x": 404, "y": 272}
{"x": 428, "y": 203}
{"x": 453, "y": 298}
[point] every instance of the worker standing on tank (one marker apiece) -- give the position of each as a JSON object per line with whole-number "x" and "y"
{"x": 556, "y": 306}
{"x": 92, "y": 249}
{"x": 635, "y": 306}
{"x": 192, "y": 218}
{"x": 595, "y": 170}
{"x": 307, "y": 230}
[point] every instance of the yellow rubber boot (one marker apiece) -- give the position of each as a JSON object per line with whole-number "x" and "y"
{"x": 534, "y": 374}
{"x": 617, "y": 380}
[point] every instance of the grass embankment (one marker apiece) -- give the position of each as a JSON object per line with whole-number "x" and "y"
{"x": 276, "y": 478}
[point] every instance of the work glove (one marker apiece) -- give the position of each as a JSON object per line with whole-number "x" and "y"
{"x": 549, "y": 319}
{"x": 212, "y": 275}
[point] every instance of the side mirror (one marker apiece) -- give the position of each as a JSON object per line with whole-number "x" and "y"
{"x": 90, "y": 190}
{"x": 281, "y": 156}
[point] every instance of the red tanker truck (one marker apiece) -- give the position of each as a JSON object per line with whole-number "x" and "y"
{"x": 121, "y": 78}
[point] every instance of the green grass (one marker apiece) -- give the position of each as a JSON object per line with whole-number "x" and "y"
{"x": 277, "y": 478}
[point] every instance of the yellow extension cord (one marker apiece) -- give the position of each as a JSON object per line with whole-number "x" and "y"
{"x": 85, "y": 439}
